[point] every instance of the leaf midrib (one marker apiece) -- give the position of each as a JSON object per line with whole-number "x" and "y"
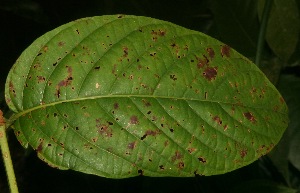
{"x": 15, "y": 116}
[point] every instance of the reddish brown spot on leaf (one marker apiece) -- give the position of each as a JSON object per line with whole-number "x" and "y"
{"x": 211, "y": 53}
{"x": 181, "y": 165}
{"x": 41, "y": 79}
{"x": 210, "y": 73}
{"x": 202, "y": 62}
{"x": 131, "y": 145}
{"x": 243, "y": 153}
{"x": 40, "y": 147}
{"x": 60, "y": 44}
{"x": 12, "y": 89}
{"x": 250, "y": 117}
{"x": 217, "y": 120}
{"x": 104, "y": 129}
{"x": 225, "y": 51}
{"x": 146, "y": 103}
{"x": 116, "y": 106}
{"x": 134, "y": 120}
{"x": 64, "y": 83}
{"x": 191, "y": 149}
{"x": 177, "y": 156}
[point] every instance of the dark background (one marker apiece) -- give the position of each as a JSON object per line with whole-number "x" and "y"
{"x": 22, "y": 21}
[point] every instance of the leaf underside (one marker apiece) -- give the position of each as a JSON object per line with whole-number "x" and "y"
{"x": 120, "y": 96}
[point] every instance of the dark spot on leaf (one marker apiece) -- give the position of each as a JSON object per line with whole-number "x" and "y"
{"x": 211, "y": 53}
{"x": 210, "y": 73}
{"x": 54, "y": 64}
{"x": 202, "y": 159}
{"x": 149, "y": 112}
{"x": 41, "y": 79}
{"x": 181, "y": 165}
{"x": 250, "y": 117}
{"x": 131, "y": 145}
{"x": 103, "y": 129}
{"x": 140, "y": 172}
{"x": 225, "y": 51}
{"x": 161, "y": 167}
{"x": 196, "y": 173}
{"x": 54, "y": 114}
{"x": 177, "y": 156}
{"x": 12, "y": 89}
{"x": 134, "y": 120}
{"x": 172, "y": 130}
{"x": 217, "y": 120}
{"x": 173, "y": 77}
{"x": 76, "y": 128}
{"x": 39, "y": 54}
{"x": 77, "y": 31}
{"x": 66, "y": 82}
{"x": 97, "y": 67}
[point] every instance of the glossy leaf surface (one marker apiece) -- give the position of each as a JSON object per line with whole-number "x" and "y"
{"x": 121, "y": 96}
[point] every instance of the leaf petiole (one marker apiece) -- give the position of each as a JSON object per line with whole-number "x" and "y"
{"x": 6, "y": 157}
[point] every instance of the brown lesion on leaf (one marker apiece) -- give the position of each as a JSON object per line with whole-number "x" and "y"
{"x": 157, "y": 33}
{"x": 150, "y": 133}
{"x": 243, "y": 152}
{"x": 250, "y": 117}
{"x": 225, "y": 127}
{"x": 41, "y": 79}
{"x": 40, "y": 146}
{"x": 210, "y": 73}
{"x": 65, "y": 82}
{"x": 191, "y": 150}
{"x": 104, "y": 129}
{"x": 264, "y": 149}
{"x": 202, "y": 62}
{"x": 12, "y": 88}
{"x": 181, "y": 165}
{"x": 225, "y": 51}
{"x": 131, "y": 145}
{"x": 211, "y": 53}
{"x": 202, "y": 159}
{"x": 134, "y": 120}
{"x": 146, "y": 103}
{"x": 218, "y": 120}
{"x": 61, "y": 43}
{"x": 176, "y": 156}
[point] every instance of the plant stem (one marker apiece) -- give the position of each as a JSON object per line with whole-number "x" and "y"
{"x": 262, "y": 31}
{"x": 6, "y": 157}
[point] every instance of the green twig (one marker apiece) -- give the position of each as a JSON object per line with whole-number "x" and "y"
{"x": 6, "y": 157}
{"x": 262, "y": 31}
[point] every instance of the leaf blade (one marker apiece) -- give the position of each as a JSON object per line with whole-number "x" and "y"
{"x": 138, "y": 96}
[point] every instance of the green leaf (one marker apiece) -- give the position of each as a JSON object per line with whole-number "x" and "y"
{"x": 283, "y": 27}
{"x": 121, "y": 96}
